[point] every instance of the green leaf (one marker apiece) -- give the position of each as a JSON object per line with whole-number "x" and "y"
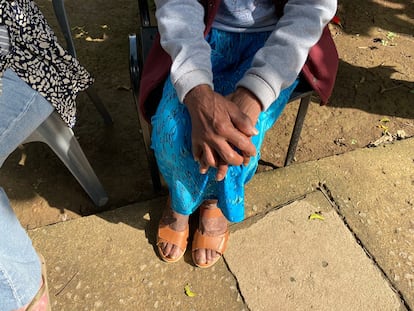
{"x": 188, "y": 291}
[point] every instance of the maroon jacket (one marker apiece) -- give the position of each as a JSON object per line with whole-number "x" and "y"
{"x": 319, "y": 70}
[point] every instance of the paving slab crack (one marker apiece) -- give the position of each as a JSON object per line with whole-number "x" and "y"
{"x": 324, "y": 189}
{"x": 237, "y": 284}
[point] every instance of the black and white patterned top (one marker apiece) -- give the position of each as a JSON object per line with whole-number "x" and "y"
{"x": 37, "y": 58}
{"x": 4, "y": 40}
{"x": 4, "y": 47}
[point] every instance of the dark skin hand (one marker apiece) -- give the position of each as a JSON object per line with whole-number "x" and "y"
{"x": 221, "y": 124}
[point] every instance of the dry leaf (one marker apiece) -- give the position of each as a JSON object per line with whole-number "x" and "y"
{"x": 317, "y": 216}
{"x": 188, "y": 291}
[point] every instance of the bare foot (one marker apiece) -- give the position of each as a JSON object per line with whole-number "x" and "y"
{"x": 211, "y": 227}
{"x": 178, "y": 223}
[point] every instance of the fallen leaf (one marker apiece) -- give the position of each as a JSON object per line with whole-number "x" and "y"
{"x": 391, "y": 35}
{"x": 383, "y": 127}
{"x": 188, "y": 291}
{"x": 314, "y": 216}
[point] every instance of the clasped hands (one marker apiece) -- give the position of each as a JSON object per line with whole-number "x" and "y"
{"x": 222, "y": 127}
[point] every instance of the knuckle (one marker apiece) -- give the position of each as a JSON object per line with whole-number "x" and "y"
{"x": 244, "y": 144}
{"x": 220, "y": 128}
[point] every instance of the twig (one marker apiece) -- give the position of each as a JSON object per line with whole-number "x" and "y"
{"x": 67, "y": 283}
{"x": 383, "y": 89}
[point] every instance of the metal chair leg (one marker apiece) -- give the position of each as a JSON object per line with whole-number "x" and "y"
{"x": 134, "y": 68}
{"x": 60, "y": 12}
{"x": 300, "y": 118}
{"x": 90, "y": 91}
{"x": 152, "y": 162}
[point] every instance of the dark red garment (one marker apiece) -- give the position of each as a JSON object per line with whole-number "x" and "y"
{"x": 319, "y": 70}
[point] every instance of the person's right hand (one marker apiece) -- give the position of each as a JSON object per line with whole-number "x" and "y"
{"x": 220, "y": 131}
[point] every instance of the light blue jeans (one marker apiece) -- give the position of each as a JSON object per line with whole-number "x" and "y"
{"x": 22, "y": 110}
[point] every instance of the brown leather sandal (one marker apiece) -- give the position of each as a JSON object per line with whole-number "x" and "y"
{"x": 168, "y": 235}
{"x": 217, "y": 243}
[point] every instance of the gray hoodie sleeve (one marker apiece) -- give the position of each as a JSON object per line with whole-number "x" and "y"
{"x": 279, "y": 62}
{"x": 274, "y": 67}
{"x": 181, "y": 26}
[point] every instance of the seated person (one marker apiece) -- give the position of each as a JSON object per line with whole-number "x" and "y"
{"x": 226, "y": 70}
{"x": 37, "y": 76}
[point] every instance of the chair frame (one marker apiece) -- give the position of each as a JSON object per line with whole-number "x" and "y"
{"x": 60, "y": 138}
{"x": 142, "y": 43}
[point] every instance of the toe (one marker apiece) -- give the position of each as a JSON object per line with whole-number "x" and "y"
{"x": 167, "y": 249}
{"x": 175, "y": 252}
{"x": 210, "y": 255}
{"x": 200, "y": 256}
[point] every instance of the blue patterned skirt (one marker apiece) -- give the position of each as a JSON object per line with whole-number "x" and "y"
{"x": 171, "y": 135}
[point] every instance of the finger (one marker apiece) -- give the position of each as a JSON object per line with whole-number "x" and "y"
{"x": 246, "y": 160}
{"x": 244, "y": 124}
{"x": 226, "y": 152}
{"x": 203, "y": 167}
{"x": 235, "y": 137}
{"x": 221, "y": 171}
{"x": 209, "y": 157}
{"x": 197, "y": 152}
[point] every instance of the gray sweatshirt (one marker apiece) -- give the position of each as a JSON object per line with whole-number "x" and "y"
{"x": 274, "y": 67}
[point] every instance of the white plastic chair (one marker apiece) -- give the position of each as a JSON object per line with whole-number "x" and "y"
{"x": 60, "y": 138}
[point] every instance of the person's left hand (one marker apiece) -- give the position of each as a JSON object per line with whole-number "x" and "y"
{"x": 249, "y": 104}
{"x": 220, "y": 131}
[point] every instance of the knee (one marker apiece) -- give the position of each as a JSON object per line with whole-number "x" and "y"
{"x": 171, "y": 135}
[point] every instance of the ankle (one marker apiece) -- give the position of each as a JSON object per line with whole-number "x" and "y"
{"x": 209, "y": 204}
{"x": 175, "y": 220}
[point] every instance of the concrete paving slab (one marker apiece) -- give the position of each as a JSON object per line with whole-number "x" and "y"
{"x": 285, "y": 261}
{"x": 374, "y": 189}
{"x": 107, "y": 262}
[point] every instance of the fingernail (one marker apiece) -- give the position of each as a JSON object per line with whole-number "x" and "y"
{"x": 255, "y": 131}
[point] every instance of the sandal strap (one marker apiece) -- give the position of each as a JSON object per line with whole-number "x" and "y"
{"x": 217, "y": 243}
{"x": 168, "y": 235}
